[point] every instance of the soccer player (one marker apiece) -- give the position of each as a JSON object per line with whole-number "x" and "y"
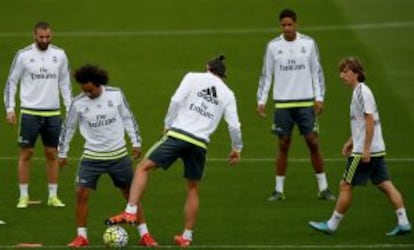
{"x": 103, "y": 115}
{"x": 292, "y": 63}
{"x": 42, "y": 70}
{"x": 365, "y": 150}
{"x": 195, "y": 110}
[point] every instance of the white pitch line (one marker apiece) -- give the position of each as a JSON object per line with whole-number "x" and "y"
{"x": 305, "y": 159}
{"x": 13, "y": 158}
{"x": 360, "y": 246}
{"x": 191, "y": 32}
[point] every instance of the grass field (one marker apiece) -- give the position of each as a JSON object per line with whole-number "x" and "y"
{"x": 147, "y": 46}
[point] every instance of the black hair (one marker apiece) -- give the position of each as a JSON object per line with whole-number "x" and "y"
{"x": 41, "y": 25}
{"x": 217, "y": 67}
{"x": 287, "y": 13}
{"x": 91, "y": 73}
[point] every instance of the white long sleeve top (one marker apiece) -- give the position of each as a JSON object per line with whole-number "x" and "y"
{"x": 102, "y": 123}
{"x": 295, "y": 69}
{"x": 41, "y": 75}
{"x": 198, "y": 105}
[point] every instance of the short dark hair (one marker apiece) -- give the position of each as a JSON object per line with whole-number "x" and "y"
{"x": 91, "y": 73}
{"x": 217, "y": 67}
{"x": 354, "y": 64}
{"x": 287, "y": 13}
{"x": 41, "y": 25}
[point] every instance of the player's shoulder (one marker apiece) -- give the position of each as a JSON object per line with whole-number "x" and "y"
{"x": 190, "y": 78}
{"x": 24, "y": 51}
{"x": 306, "y": 38}
{"x": 363, "y": 87}
{"x": 361, "y": 90}
{"x": 57, "y": 50}
{"x": 227, "y": 89}
{"x": 192, "y": 74}
{"x": 113, "y": 92}
{"x": 222, "y": 86}
{"x": 113, "y": 89}
{"x": 275, "y": 41}
{"x": 54, "y": 47}
{"x": 79, "y": 99}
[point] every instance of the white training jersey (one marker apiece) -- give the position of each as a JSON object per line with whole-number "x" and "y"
{"x": 41, "y": 74}
{"x": 295, "y": 69}
{"x": 198, "y": 105}
{"x": 363, "y": 102}
{"x": 102, "y": 123}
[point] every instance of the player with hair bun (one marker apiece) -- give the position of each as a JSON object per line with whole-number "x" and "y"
{"x": 195, "y": 111}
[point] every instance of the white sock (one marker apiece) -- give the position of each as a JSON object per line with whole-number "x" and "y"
{"x": 24, "y": 190}
{"x": 322, "y": 182}
{"x": 188, "y": 234}
{"x": 280, "y": 183}
{"x": 53, "y": 187}
{"x": 334, "y": 221}
{"x": 131, "y": 208}
{"x": 402, "y": 216}
{"x": 142, "y": 229}
{"x": 83, "y": 231}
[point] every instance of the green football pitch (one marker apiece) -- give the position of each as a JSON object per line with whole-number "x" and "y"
{"x": 147, "y": 46}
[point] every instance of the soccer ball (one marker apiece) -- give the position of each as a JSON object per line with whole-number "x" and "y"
{"x": 115, "y": 236}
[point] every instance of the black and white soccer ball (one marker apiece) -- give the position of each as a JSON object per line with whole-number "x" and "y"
{"x": 115, "y": 236}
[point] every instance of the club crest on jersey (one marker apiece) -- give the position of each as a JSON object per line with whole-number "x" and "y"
{"x": 303, "y": 50}
{"x": 209, "y": 94}
{"x": 110, "y": 104}
{"x": 54, "y": 59}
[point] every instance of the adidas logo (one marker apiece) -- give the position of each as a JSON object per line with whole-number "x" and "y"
{"x": 209, "y": 94}
{"x": 210, "y": 91}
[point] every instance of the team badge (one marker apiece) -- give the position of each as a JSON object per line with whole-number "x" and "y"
{"x": 303, "y": 50}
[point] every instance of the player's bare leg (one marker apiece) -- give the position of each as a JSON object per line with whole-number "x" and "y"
{"x": 52, "y": 163}
{"x": 396, "y": 199}
{"x": 82, "y": 209}
{"x": 191, "y": 208}
{"x": 146, "y": 238}
{"x": 25, "y": 156}
{"x": 318, "y": 166}
{"x": 280, "y": 168}
{"x": 136, "y": 191}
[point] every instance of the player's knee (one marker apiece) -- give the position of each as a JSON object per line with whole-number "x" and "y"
{"x": 26, "y": 154}
{"x": 284, "y": 144}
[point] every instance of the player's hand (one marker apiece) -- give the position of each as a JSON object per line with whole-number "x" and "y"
{"x": 261, "y": 111}
{"x": 366, "y": 156}
{"x": 11, "y": 118}
{"x": 347, "y": 149}
{"x": 234, "y": 157}
{"x": 136, "y": 152}
{"x": 63, "y": 162}
{"x": 318, "y": 107}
